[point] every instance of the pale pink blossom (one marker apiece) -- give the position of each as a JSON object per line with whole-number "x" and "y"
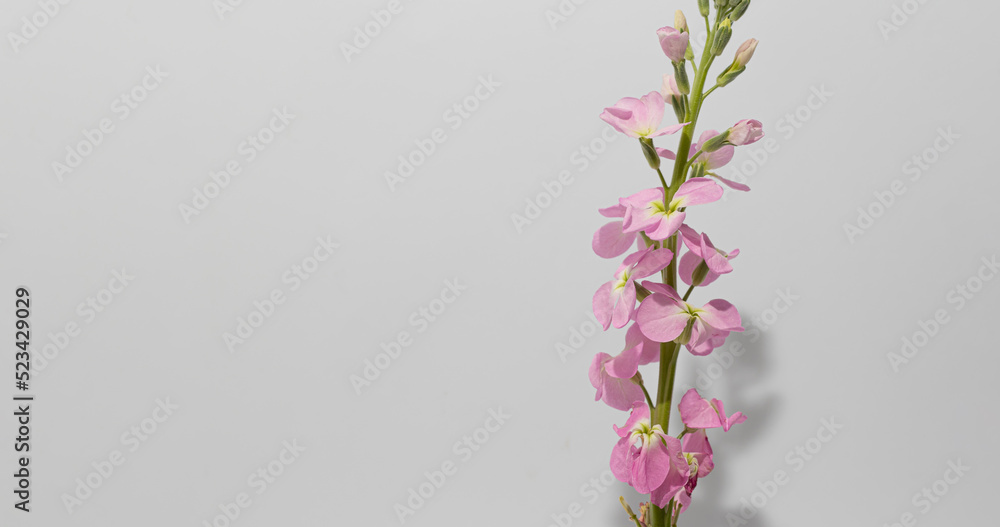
{"x": 670, "y": 90}
{"x": 698, "y": 453}
{"x": 745, "y": 132}
{"x": 648, "y": 211}
{"x": 702, "y": 251}
{"x": 610, "y": 241}
{"x": 638, "y": 351}
{"x": 673, "y": 42}
{"x": 640, "y": 118}
{"x": 645, "y": 457}
{"x": 614, "y": 302}
{"x": 698, "y": 412}
{"x": 715, "y": 160}
{"x": 619, "y": 394}
{"x": 664, "y": 317}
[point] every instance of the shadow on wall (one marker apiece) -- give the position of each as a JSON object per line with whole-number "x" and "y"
{"x": 746, "y": 375}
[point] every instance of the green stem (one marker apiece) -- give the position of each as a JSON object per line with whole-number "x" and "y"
{"x": 693, "y": 159}
{"x": 669, "y": 351}
{"x": 663, "y": 180}
{"x": 688, "y": 294}
{"x": 649, "y": 400}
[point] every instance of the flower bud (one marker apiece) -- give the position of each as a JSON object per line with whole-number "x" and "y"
{"x": 627, "y": 508}
{"x": 722, "y": 37}
{"x": 685, "y": 336}
{"x": 716, "y": 142}
{"x": 681, "y": 78}
{"x": 721, "y": 4}
{"x": 745, "y": 132}
{"x": 673, "y": 42}
{"x": 648, "y": 150}
{"x": 744, "y": 54}
{"x": 672, "y": 94}
{"x": 703, "y": 7}
{"x": 680, "y": 21}
{"x": 697, "y": 170}
{"x": 740, "y": 10}
{"x": 670, "y": 89}
{"x": 728, "y": 76}
{"x": 699, "y": 274}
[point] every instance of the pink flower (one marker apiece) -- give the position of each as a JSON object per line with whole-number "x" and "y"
{"x": 614, "y": 302}
{"x": 619, "y": 394}
{"x": 673, "y": 42}
{"x": 708, "y": 345}
{"x": 698, "y": 454}
{"x": 648, "y": 211}
{"x": 698, "y": 412}
{"x": 656, "y": 462}
{"x": 695, "y": 444}
{"x": 664, "y": 317}
{"x": 746, "y": 132}
{"x": 715, "y": 160}
{"x": 610, "y": 241}
{"x": 703, "y": 258}
{"x": 638, "y": 351}
{"x": 670, "y": 89}
{"x": 639, "y": 117}
{"x": 712, "y": 160}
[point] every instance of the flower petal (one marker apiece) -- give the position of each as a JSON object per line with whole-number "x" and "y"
{"x": 661, "y": 318}
{"x": 625, "y": 307}
{"x": 721, "y": 315}
{"x": 603, "y": 304}
{"x": 732, "y": 184}
{"x": 698, "y": 191}
{"x": 610, "y": 241}
{"x": 652, "y": 262}
{"x": 696, "y": 412}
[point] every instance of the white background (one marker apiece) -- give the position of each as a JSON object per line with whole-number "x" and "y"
{"x": 889, "y": 94}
